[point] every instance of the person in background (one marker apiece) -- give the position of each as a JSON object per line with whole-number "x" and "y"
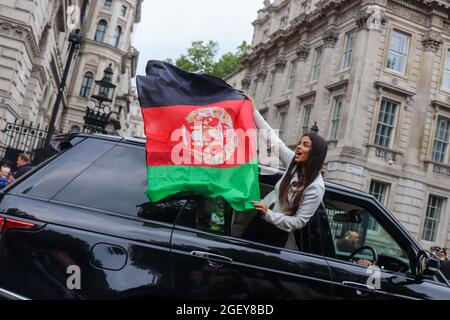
{"x": 441, "y": 254}
{"x": 23, "y": 165}
{"x": 349, "y": 242}
{"x": 6, "y": 176}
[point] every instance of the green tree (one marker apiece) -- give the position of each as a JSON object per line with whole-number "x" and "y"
{"x": 201, "y": 56}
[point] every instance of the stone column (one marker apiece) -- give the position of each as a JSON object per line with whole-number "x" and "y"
{"x": 356, "y": 117}
{"x": 432, "y": 42}
{"x": 330, "y": 38}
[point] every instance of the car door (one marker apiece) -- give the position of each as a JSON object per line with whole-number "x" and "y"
{"x": 355, "y": 223}
{"x": 211, "y": 260}
{"x": 99, "y": 236}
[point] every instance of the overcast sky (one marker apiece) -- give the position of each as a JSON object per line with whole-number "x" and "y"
{"x": 168, "y": 27}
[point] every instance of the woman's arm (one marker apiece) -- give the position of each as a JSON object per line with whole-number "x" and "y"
{"x": 311, "y": 201}
{"x": 271, "y": 139}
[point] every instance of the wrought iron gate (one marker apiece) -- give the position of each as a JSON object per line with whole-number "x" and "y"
{"x": 20, "y": 137}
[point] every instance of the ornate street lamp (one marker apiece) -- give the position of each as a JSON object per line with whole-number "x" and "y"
{"x": 101, "y": 119}
{"x": 104, "y": 89}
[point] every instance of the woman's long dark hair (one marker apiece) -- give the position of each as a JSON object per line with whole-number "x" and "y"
{"x": 306, "y": 173}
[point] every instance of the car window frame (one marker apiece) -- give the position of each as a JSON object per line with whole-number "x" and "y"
{"x": 11, "y": 188}
{"x": 241, "y": 241}
{"x": 386, "y": 223}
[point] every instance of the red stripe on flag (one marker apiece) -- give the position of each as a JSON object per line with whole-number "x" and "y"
{"x": 185, "y": 133}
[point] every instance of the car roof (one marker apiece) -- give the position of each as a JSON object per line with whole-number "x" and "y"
{"x": 264, "y": 169}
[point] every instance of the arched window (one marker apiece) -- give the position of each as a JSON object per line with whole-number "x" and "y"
{"x": 75, "y": 129}
{"x": 87, "y": 84}
{"x": 101, "y": 30}
{"x": 117, "y": 36}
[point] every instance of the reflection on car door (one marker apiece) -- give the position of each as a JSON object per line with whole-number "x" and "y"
{"x": 210, "y": 264}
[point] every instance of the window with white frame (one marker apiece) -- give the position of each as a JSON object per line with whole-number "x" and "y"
{"x": 306, "y": 6}
{"x": 398, "y": 51}
{"x": 87, "y": 84}
{"x": 306, "y": 118}
{"x": 283, "y": 22}
{"x": 292, "y": 74}
{"x": 446, "y": 77}
{"x": 316, "y": 66}
{"x": 107, "y": 5}
{"x": 117, "y": 36}
{"x": 123, "y": 11}
{"x": 271, "y": 84}
{"x": 283, "y": 116}
{"x": 336, "y": 117}
{"x": 386, "y": 123}
{"x": 380, "y": 191}
{"x": 348, "y": 52}
{"x": 101, "y": 30}
{"x": 441, "y": 140}
{"x": 433, "y": 217}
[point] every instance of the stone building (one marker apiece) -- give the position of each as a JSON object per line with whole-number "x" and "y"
{"x": 375, "y": 76}
{"x": 33, "y": 51}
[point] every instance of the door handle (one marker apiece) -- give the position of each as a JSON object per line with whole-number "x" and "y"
{"x": 213, "y": 258}
{"x": 357, "y": 285}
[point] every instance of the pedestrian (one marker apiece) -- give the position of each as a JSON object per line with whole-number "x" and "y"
{"x": 23, "y": 165}
{"x": 297, "y": 195}
{"x": 441, "y": 254}
{"x": 6, "y": 176}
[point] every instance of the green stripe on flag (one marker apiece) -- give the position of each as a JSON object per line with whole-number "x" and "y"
{"x": 238, "y": 185}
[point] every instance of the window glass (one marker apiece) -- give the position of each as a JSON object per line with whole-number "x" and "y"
{"x": 306, "y": 118}
{"x": 432, "y": 219}
{"x": 386, "y": 123}
{"x": 101, "y": 30}
{"x": 336, "y": 117}
{"x": 349, "y": 43}
{"x": 107, "y": 5}
{"x": 317, "y": 63}
{"x": 46, "y": 182}
{"x": 87, "y": 84}
{"x": 441, "y": 140}
{"x": 116, "y": 182}
{"x": 353, "y": 227}
{"x": 398, "y": 52}
{"x": 207, "y": 214}
{"x": 216, "y": 216}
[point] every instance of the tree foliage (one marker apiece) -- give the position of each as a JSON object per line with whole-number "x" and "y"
{"x": 202, "y": 57}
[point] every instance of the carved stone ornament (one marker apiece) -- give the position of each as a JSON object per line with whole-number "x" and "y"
{"x": 303, "y": 52}
{"x": 246, "y": 81}
{"x": 432, "y": 41}
{"x": 261, "y": 74}
{"x": 330, "y": 37}
{"x": 280, "y": 63}
{"x": 372, "y": 18}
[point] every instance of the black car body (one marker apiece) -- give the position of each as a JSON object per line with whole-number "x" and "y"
{"x": 79, "y": 226}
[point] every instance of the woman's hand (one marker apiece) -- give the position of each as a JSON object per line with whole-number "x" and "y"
{"x": 245, "y": 94}
{"x": 260, "y": 206}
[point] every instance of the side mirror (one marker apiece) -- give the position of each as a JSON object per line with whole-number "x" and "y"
{"x": 427, "y": 264}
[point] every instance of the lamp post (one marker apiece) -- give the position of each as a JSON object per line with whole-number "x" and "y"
{"x": 100, "y": 118}
{"x": 75, "y": 39}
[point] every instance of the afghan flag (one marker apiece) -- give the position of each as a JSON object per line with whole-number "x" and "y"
{"x": 200, "y": 134}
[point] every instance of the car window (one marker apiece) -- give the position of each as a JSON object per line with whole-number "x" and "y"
{"x": 117, "y": 182}
{"x": 47, "y": 181}
{"x": 215, "y": 215}
{"x": 353, "y": 227}
{"x": 207, "y": 214}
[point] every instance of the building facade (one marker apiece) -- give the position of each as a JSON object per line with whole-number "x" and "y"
{"x": 33, "y": 51}
{"x": 375, "y": 76}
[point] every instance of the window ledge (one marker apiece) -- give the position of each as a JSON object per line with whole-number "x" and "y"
{"x": 385, "y": 153}
{"x": 437, "y": 167}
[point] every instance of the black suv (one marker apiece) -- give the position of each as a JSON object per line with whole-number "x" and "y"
{"x": 79, "y": 226}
